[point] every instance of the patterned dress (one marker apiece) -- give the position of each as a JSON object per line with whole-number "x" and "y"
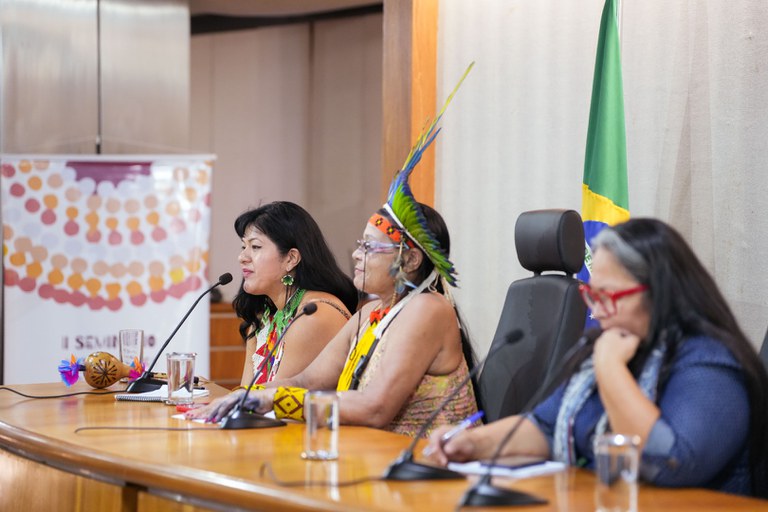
{"x": 428, "y": 395}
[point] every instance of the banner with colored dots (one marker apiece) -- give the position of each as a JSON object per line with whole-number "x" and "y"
{"x": 95, "y": 244}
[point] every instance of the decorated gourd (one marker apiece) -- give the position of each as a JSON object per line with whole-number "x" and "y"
{"x": 100, "y": 370}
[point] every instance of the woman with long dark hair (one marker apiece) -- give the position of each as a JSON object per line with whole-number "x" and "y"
{"x": 671, "y": 366}
{"x": 286, "y": 264}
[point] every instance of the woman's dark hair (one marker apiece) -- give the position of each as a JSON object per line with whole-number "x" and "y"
{"x": 437, "y": 226}
{"x": 684, "y": 301}
{"x": 289, "y": 226}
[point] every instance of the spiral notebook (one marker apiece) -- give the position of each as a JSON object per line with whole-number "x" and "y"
{"x": 158, "y": 395}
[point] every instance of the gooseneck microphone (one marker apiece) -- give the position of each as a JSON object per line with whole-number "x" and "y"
{"x": 239, "y": 417}
{"x": 147, "y": 382}
{"x": 405, "y": 468}
{"x": 484, "y": 493}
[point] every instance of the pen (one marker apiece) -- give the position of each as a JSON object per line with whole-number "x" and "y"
{"x": 464, "y": 425}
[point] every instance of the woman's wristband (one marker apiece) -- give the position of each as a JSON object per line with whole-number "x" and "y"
{"x": 289, "y": 403}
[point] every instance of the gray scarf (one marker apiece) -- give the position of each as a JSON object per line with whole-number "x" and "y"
{"x": 581, "y": 386}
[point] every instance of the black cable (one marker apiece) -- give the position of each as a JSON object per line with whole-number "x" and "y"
{"x": 363, "y": 294}
{"x": 64, "y": 395}
{"x": 267, "y": 467}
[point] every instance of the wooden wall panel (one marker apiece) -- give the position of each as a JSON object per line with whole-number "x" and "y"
{"x": 408, "y": 91}
{"x": 227, "y": 348}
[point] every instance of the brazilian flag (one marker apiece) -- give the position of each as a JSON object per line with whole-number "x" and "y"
{"x": 605, "y": 199}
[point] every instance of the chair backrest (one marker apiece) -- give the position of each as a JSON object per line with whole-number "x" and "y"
{"x": 546, "y": 307}
{"x": 764, "y": 351}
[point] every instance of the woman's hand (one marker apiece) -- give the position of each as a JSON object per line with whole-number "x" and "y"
{"x": 257, "y": 401}
{"x": 629, "y": 410}
{"x": 460, "y": 448}
{"x": 615, "y": 346}
{"x": 214, "y": 411}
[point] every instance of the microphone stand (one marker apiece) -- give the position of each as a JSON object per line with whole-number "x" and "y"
{"x": 147, "y": 381}
{"x": 484, "y": 493}
{"x": 404, "y": 467}
{"x": 239, "y": 417}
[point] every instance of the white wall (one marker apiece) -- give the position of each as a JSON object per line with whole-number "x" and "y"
{"x": 514, "y": 137}
{"x": 293, "y": 113}
{"x": 345, "y": 130}
{"x": 249, "y": 106}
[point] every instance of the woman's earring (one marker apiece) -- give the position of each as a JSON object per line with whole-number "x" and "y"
{"x": 398, "y": 272}
{"x": 287, "y": 280}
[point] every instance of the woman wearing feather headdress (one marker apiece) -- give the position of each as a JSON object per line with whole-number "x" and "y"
{"x": 399, "y": 356}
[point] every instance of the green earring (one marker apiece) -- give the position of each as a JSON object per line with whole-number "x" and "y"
{"x": 287, "y": 280}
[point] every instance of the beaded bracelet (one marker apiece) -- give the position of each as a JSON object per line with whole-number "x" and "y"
{"x": 289, "y": 403}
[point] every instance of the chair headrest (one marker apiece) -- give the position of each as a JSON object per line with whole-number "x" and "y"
{"x": 550, "y": 240}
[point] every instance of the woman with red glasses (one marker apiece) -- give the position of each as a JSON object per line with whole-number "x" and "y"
{"x": 671, "y": 366}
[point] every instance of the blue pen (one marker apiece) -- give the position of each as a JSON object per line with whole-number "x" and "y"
{"x": 464, "y": 425}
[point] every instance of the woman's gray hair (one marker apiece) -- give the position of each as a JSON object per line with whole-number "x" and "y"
{"x": 628, "y": 257}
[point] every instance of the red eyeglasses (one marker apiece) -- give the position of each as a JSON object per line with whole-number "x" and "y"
{"x": 604, "y": 299}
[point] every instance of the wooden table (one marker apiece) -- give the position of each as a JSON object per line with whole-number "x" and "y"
{"x": 46, "y": 465}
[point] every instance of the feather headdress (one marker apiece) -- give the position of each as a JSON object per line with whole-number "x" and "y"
{"x": 403, "y": 208}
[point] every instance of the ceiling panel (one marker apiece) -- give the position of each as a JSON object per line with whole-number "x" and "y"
{"x": 273, "y": 7}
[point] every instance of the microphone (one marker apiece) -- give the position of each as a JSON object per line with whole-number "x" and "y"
{"x": 484, "y": 493}
{"x": 240, "y": 418}
{"x": 405, "y": 468}
{"x": 147, "y": 382}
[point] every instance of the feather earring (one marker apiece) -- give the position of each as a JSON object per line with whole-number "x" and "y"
{"x": 398, "y": 272}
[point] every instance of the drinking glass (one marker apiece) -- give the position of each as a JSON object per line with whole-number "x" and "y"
{"x": 616, "y": 465}
{"x": 321, "y": 435}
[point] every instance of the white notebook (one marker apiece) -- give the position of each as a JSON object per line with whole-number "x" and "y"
{"x": 525, "y": 471}
{"x": 158, "y": 395}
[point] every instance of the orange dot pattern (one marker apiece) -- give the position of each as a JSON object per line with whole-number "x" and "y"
{"x": 105, "y": 239}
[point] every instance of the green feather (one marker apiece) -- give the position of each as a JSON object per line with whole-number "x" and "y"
{"x": 402, "y": 203}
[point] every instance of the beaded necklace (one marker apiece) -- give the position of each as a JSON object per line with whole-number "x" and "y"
{"x": 274, "y": 325}
{"x": 377, "y": 315}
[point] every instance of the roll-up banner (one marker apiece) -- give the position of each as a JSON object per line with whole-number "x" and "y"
{"x": 96, "y": 244}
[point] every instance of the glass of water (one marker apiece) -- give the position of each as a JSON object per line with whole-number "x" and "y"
{"x": 321, "y": 433}
{"x": 617, "y": 458}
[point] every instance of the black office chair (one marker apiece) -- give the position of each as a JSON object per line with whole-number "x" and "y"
{"x": 546, "y": 307}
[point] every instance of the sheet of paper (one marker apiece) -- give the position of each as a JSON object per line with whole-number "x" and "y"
{"x": 478, "y": 468}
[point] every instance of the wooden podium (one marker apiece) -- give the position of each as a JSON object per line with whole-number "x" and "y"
{"x": 131, "y": 464}
{"x": 227, "y": 347}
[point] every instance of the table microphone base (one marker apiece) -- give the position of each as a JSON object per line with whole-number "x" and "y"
{"x": 483, "y": 494}
{"x": 240, "y": 419}
{"x": 406, "y": 469}
{"x": 144, "y": 384}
